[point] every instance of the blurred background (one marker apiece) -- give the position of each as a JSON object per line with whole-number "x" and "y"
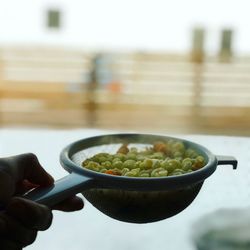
{"x": 154, "y": 66}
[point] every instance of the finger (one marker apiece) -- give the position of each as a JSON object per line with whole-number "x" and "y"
{"x": 7, "y": 187}
{"x": 24, "y": 186}
{"x": 74, "y": 203}
{"x": 26, "y": 166}
{"x": 10, "y": 245}
{"x": 14, "y": 231}
{"x": 30, "y": 214}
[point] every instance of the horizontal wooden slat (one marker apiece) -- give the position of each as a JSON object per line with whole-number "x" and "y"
{"x": 157, "y": 90}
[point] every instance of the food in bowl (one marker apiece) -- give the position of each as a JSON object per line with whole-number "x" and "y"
{"x": 160, "y": 159}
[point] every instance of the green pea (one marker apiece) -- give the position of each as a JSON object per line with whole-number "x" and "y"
{"x": 136, "y": 171}
{"x": 158, "y": 155}
{"x": 121, "y": 156}
{"x": 145, "y": 172}
{"x": 163, "y": 173}
{"x": 131, "y": 156}
{"x": 142, "y": 165}
{"x": 115, "y": 159}
{"x": 106, "y": 164}
{"x": 101, "y": 159}
{"x": 172, "y": 165}
{"x": 118, "y": 164}
{"x": 200, "y": 159}
{"x": 191, "y": 153}
{"x": 198, "y": 163}
{"x": 129, "y": 174}
{"x": 148, "y": 163}
{"x": 85, "y": 163}
{"x": 178, "y": 146}
{"x": 144, "y": 175}
{"x": 124, "y": 171}
{"x": 117, "y": 171}
{"x": 133, "y": 172}
{"x": 178, "y": 154}
{"x": 156, "y": 172}
{"x": 137, "y": 164}
{"x": 164, "y": 163}
{"x": 140, "y": 157}
{"x": 156, "y": 163}
{"x": 147, "y": 151}
{"x": 93, "y": 166}
{"x": 187, "y": 164}
{"x": 110, "y": 157}
{"x": 129, "y": 164}
{"x": 177, "y": 172}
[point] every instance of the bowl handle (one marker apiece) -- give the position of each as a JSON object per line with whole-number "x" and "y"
{"x": 62, "y": 189}
{"x": 227, "y": 160}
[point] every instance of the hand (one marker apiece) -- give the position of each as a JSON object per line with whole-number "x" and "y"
{"x": 22, "y": 218}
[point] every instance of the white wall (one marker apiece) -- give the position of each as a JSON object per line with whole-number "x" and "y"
{"x": 137, "y": 24}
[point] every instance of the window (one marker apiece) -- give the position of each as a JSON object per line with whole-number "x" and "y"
{"x": 54, "y": 19}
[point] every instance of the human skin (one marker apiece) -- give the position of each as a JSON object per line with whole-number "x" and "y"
{"x": 21, "y": 219}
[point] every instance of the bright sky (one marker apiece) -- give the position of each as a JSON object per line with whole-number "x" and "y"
{"x": 127, "y": 24}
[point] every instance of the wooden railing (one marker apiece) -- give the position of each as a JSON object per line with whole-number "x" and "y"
{"x": 149, "y": 91}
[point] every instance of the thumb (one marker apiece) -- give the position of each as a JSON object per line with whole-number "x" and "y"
{"x": 26, "y": 167}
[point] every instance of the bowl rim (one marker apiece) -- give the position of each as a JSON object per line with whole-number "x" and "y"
{"x": 137, "y": 183}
